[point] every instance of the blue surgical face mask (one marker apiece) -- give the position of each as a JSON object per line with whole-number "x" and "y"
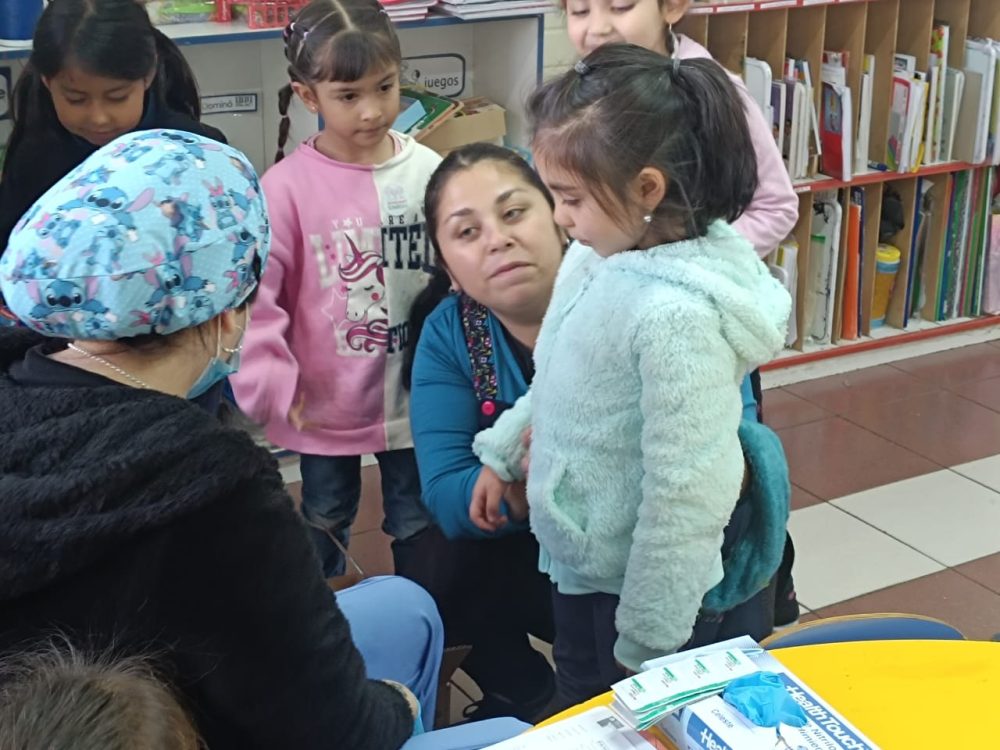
{"x": 219, "y": 369}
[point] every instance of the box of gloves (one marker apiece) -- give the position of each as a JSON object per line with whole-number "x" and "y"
{"x": 717, "y": 724}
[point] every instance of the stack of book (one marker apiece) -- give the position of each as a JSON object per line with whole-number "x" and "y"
{"x": 476, "y": 9}
{"x": 408, "y": 10}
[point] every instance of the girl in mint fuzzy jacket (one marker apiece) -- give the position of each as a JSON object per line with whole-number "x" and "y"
{"x": 659, "y": 310}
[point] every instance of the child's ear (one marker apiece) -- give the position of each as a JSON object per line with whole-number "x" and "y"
{"x": 651, "y": 185}
{"x": 307, "y": 95}
{"x": 673, "y": 10}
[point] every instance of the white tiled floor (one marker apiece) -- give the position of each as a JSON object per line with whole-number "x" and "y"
{"x": 944, "y": 515}
{"x": 840, "y": 557}
{"x": 986, "y": 471}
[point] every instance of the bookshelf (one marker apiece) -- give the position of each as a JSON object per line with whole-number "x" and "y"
{"x": 497, "y": 58}
{"x": 773, "y": 30}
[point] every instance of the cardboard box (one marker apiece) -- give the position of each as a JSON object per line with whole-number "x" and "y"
{"x": 479, "y": 120}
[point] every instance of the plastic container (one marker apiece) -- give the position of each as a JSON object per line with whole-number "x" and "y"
{"x": 886, "y": 268}
{"x": 265, "y": 14}
{"x": 18, "y": 18}
{"x": 162, "y": 12}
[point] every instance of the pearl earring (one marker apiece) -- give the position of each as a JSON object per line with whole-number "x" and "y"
{"x": 648, "y": 218}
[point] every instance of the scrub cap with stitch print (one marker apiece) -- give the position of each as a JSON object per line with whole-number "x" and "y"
{"x": 156, "y": 232}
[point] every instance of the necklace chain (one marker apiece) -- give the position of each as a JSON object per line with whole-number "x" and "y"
{"x": 111, "y": 366}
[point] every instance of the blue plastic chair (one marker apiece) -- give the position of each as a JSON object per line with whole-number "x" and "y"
{"x": 472, "y": 736}
{"x": 874, "y": 627}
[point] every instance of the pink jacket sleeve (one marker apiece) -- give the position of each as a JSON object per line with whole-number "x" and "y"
{"x": 772, "y": 214}
{"x": 268, "y": 377}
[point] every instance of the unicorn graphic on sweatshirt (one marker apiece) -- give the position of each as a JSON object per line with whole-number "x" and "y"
{"x": 365, "y": 327}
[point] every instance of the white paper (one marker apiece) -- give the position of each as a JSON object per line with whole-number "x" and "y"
{"x": 597, "y": 729}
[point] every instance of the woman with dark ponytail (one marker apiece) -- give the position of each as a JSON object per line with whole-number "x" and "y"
{"x": 98, "y": 69}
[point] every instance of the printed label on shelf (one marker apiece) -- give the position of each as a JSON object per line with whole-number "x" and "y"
{"x": 230, "y": 104}
{"x": 442, "y": 74}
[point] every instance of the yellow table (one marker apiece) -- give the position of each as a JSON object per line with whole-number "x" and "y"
{"x": 905, "y": 695}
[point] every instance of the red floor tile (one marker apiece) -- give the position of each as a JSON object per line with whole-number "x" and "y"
{"x": 860, "y": 390}
{"x": 968, "y": 363}
{"x": 803, "y": 499}
{"x": 372, "y": 552}
{"x": 948, "y": 596}
{"x": 940, "y": 426}
{"x": 985, "y": 571}
{"x": 832, "y": 458}
{"x": 783, "y": 409}
{"x": 984, "y": 392}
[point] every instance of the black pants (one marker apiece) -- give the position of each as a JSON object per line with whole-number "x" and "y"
{"x": 586, "y": 632}
{"x": 586, "y": 635}
{"x": 491, "y": 595}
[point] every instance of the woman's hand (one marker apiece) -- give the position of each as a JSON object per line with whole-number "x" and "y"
{"x": 487, "y": 496}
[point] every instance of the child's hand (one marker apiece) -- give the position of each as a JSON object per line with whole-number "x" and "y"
{"x": 517, "y": 501}
{"x": 295, "y": 414}
{"x": 486, "y": 498}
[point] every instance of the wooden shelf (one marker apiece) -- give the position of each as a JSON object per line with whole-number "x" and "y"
{"x": 876, "y": 177}
{"x": 210, "y": 32}
{"x": 738, "y": 6}
{"x": 882, "y": 338}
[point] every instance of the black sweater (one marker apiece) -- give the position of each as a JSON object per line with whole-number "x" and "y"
{"x": 47, "y": 154}
{"x": 134, "y": 518}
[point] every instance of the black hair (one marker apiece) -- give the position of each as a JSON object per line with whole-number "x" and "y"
{"x": 335, "y": 40}
{"x": 110, "y": 38}
{"x": 439, "y": 286}
{"x": 624, "y": 108}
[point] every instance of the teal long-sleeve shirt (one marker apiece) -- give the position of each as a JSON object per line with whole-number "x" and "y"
{"x": 444, "y": 415}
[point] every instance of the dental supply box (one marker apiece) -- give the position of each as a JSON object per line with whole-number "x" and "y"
{"x": 712, "y": 724}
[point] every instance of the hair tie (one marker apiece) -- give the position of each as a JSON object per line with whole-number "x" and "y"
{"x": 581, "y": 68}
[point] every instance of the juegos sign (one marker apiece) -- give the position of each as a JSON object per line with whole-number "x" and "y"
{"x": 441, "y": 74}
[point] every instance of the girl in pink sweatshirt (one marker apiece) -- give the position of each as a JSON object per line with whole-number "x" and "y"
{"x": 323, "y": 355}
{"x": 774, "y": 210}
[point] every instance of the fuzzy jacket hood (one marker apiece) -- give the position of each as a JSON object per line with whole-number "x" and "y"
{"x": 722, "y": 269}
{"x": 84, "y": 470}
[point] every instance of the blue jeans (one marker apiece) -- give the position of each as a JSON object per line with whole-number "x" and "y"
{"x": 396, "y": 627}
{"x": 331, "y": 491}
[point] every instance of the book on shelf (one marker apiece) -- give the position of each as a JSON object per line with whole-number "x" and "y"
{"x": 851, "y": 305}
{"x": 954, "y": 88}
{"x": 836, "y": 129}
{"x": 991, "y": 282}
{"x": 824, "y": 259}
{"x": 784, "y": 266}
{"x": 980, "y": 72}
{"x": 421, "y": 111}
{"x": 940, "y": 47}
{"x": 759, "y": 80}
{"x": 863, "y": 146}
{"x": 779, "y": 102}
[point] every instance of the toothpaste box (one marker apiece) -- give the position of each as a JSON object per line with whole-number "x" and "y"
{"x": 712, "y": 724}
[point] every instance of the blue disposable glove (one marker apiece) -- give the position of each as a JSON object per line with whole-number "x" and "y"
{"x": 762, "y": 698}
